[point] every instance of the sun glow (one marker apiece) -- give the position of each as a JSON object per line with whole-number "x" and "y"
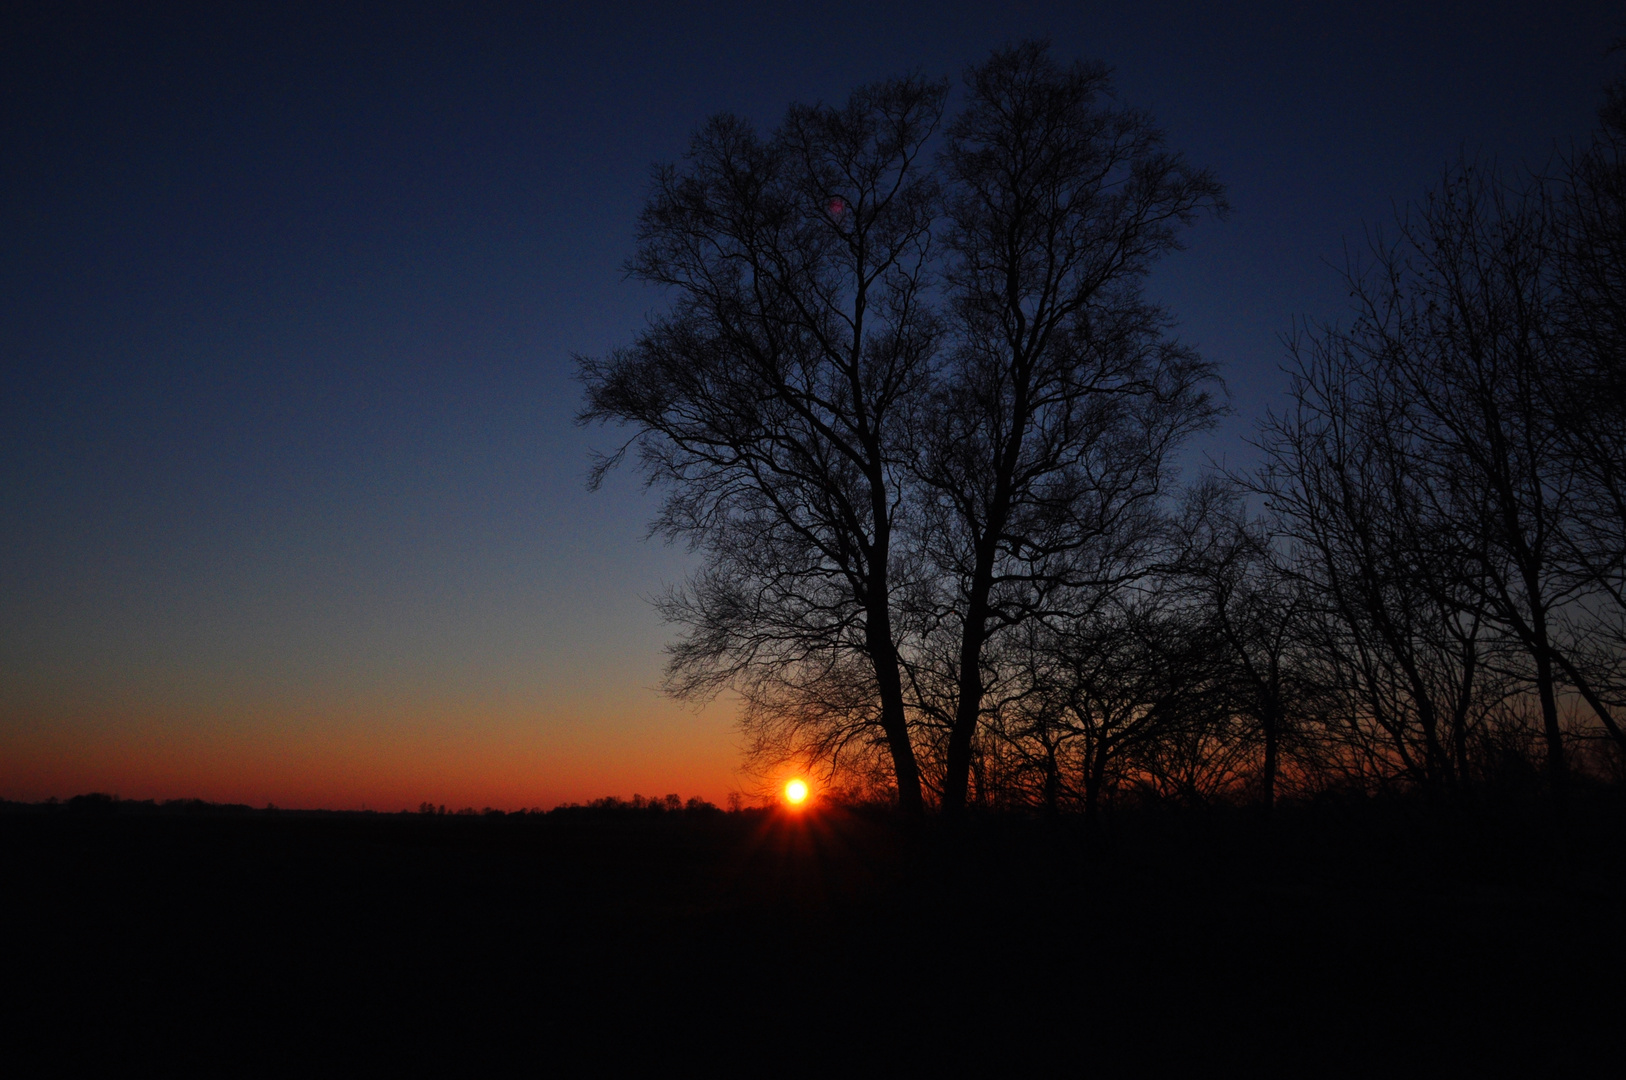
{"x": 796, "y": 792}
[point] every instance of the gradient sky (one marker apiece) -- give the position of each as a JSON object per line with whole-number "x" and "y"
{"x": 291, "y": 505}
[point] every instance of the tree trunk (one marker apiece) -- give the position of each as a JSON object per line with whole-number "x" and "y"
{"x": 1557, "y": 767}
{"x": 1094, "y": 777}
{"x": 884, "y": 655}
{"x": 1459, "y": 717}
{"x": 1590, "y": 696}
{"x": 1052, "y": 781}
{"x": 1272, "y": 725}
{"x": 1541, "y": 652}
{"x": 968, "y": 709}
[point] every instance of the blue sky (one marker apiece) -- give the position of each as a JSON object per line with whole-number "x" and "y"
{"x": 294, "y": 509}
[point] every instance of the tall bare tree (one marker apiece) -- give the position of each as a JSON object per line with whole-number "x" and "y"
{"x": 1588, "y": 392}
{"x": 773, "y": 403}
{"x": 1466, "y": 312}
{"x": 1065, "y": 397}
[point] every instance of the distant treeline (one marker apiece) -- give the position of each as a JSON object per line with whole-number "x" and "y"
{"x": 98, "y": 803}
{"x": 609, "y": 804}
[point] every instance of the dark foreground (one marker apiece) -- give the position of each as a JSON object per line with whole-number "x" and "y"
{"x": 1354, "y": 939}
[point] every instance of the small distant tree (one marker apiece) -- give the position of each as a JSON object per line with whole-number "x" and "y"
{"x": 1127, "y": 683}
{"x": 1253, "y": 609}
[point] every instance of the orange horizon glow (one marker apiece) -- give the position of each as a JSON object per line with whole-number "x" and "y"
{"x": 376, "y": 758}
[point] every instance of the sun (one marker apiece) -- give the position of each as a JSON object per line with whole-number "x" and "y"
{"x": 796, "y": 792}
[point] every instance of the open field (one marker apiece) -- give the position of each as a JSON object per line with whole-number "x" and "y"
{"x": 1362, "y": 937}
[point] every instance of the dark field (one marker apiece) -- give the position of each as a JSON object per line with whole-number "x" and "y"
{"x": 1347, "y": 938}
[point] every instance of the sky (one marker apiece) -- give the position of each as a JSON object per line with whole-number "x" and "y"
{"x": 292, "y": 505}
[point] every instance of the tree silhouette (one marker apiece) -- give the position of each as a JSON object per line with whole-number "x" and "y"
{"x": 772, "y": 402}
{"x": 1589, "y": 391}
{"x": 1397, "y": 641}
{"x": 900, "y": 402}
{"x": 1063, "y": 395}
{"x": 1254, "y": 610}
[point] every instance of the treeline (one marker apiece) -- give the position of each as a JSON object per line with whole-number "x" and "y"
{"x": 99, "y": 804}
{"x": 910, "y": 402}
{"x": 607, "y": 805}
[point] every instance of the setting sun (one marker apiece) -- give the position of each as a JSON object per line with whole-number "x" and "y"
{"x": 796, "y": 792}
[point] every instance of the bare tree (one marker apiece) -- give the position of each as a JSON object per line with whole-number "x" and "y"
{"x": 1388, "y": 603}
{"x": 1065, "y": 396}
{"x": 1431, "y": 471}
{"x": 864, "y": 474}
{"x": 1253, "y": 607}
{"x": 1468, "y": 319}
{"x": 773, "y": 400}
{"x": 1128, "y": 687}
{"x": 1588, "y": 391}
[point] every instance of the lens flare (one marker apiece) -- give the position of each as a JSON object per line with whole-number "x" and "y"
{"x": 796, "y": 792}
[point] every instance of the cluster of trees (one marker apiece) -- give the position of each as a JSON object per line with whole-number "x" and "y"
{"x": 912, "y": 404}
